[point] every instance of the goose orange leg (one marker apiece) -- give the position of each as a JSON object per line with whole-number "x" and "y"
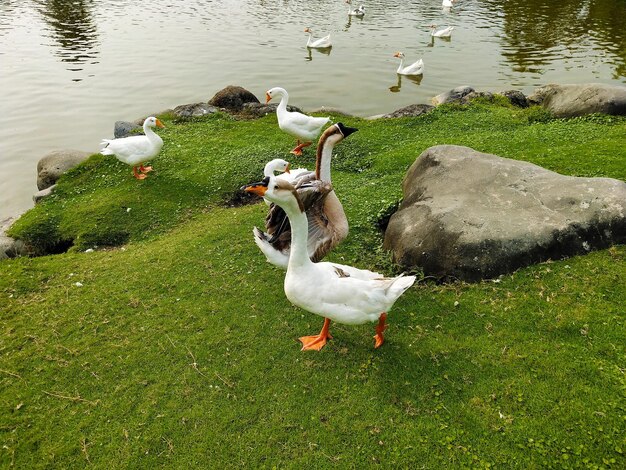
{"x": 139, "y": 176}
{"x": 298, "y": 149}
{"x": 380, "y": 339}
{"x": 145, "y": 169}
{"x": 317, "y": 342}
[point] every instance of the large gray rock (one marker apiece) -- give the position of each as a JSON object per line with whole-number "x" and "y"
{"x": 453, "y": 95}
{"x": 412, "y": 110}
{"x": 53, "y": 165}
{"x": 125, "y": 129}
{"x": 187, "y": 111}
{"x": 471, "y": 215}
{"x": 232, "y": 98}
{"x": 579, "y": 100}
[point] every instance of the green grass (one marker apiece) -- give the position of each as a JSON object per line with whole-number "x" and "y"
{"x": 180, "y": 349}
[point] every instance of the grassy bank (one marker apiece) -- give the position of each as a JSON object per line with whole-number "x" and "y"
{"x": 179, "y": 349}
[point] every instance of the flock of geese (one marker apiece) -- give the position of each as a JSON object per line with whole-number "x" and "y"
{"x": 414, "y": 69}
{"x": 304, "y": 223}
{"x": 305, "y": 220}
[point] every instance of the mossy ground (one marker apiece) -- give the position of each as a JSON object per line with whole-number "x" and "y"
{"x": 179, "y": 350}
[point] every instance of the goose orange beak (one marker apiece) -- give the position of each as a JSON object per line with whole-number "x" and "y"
{"x": 268, "y": 98}
{"x": 288, "y": 166}
{"x": 257, "y": 189}
{"x": 159, "y": 123}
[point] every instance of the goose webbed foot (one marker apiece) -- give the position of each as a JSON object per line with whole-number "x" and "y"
{"x": 317, "y": 342}
{"x": 298, "y": 149}
{"x": 137, "y": 175}
{"x": 145, "y": 169}
{"x": 380, "y": 328}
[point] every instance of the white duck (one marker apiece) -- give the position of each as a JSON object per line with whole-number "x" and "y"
{"x": 299, "y": 125}
{"x": 447, "y": 3}
{"x": 321, "y": 43}
{"x": 136, "y": 150}
{"x": 358, "y": 12}
{"x": 417, "y": 68}
{"x": 328, "y": 224}
{"x": 349, "y": 296}
{"x": 287, "y": 174}
{"x": 442, "y": 33}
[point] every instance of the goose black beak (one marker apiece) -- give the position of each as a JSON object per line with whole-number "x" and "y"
{"x": 345, "y": 130}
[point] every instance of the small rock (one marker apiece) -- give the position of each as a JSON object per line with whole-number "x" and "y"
{"x": 78, "y": 284}
{"x": 38, "y": 196}
{"x": 10, "y": 248}
{"x": 187, "y": 111}
{"x": 453, "y": 95}
{"x": 233, "y": 98}
{"x": 89, "y": 250}
{"x": 54, "y": 164}
{"x": 125, "y": 129}
{"x": 258, "y": 110}
{"x": 516, "y": 98}
{"x": 412, "y": 110}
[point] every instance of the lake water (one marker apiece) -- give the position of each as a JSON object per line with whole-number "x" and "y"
{"x": 70, "y": 69}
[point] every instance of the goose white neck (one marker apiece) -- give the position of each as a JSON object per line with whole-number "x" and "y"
{"x": 150, "y": 134}
{"x": 298, "y": 253}
{"x": 324, "y": 157}
{"x": 401, "y": 64}
{"x": 284, "y": 98}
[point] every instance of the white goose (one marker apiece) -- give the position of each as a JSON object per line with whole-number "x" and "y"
{"x": 287, "y": 174}
{"x": 136, "y": 150}
{"x": 321, "y": 43}
{"x": 447, "y": 3}
{"x": 299, "y": 125}
{"x": 416, "y": 68}
{"x": 358, "y": 12}
{"x": 328, "y": 224}
{"x": 442, "y": 33}
{"x": 349, "y": 296}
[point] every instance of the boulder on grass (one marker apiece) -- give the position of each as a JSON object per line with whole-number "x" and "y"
{"x": 232, "y": 98}
{"x": 412, "y": 110}
{"x": 471, "y": 215}
{"x": 258, "y": 110}
{"x": 53, "y": 165}
{"x": 516, "y": 98}
{"x": 453, "y": 95}
{"x": 9, "y": 247}
{"x": 580, "y": 100}
{"x": 39, "y": 195}
{"x": 187, "y": 111}
{"x": 125, "y": 129}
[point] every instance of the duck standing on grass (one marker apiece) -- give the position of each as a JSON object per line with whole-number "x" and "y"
{"x": 336, "y": 292}
{"x": 299, "y": 125}
{"x": 328, "y": 224}
{"x": 138, "y": 149}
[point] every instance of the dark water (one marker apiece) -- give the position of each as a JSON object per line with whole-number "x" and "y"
{"x": 69, "y": 69}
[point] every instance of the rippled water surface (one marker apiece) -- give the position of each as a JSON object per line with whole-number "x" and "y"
{"x": 70, "y": 69}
